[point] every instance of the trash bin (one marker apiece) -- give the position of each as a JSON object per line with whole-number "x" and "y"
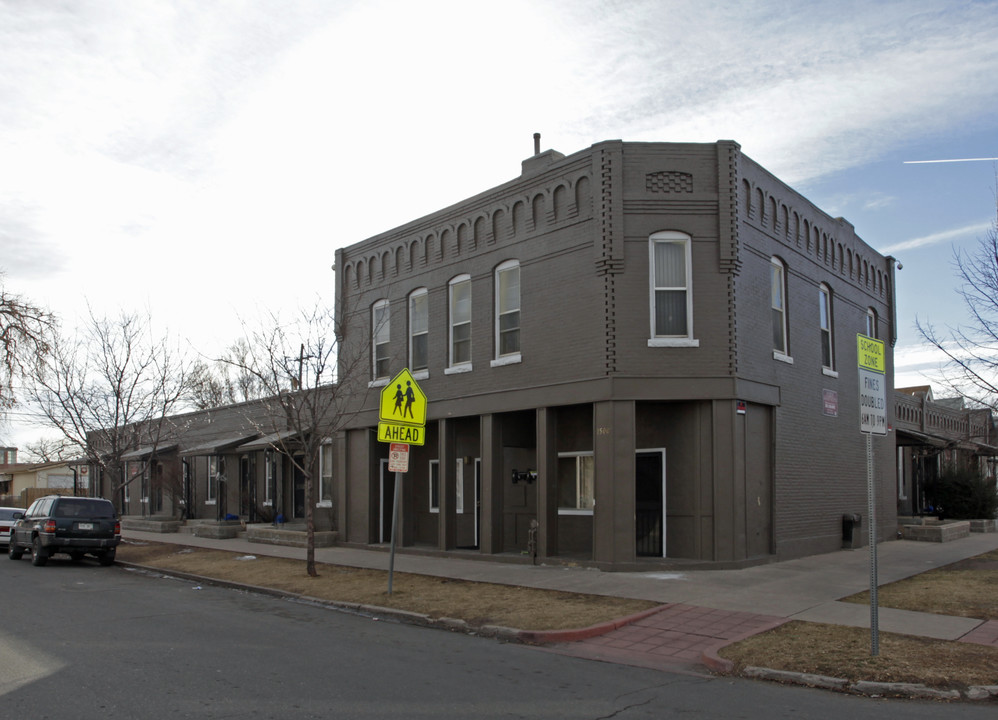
{"x": 850, "y": 529}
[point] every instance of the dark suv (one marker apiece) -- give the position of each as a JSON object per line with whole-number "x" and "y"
{"x": 71, "y": 525}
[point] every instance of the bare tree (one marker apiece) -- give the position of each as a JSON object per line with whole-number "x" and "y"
{"x": 224, "y": 381}
{"x": 971, "y": 350}
{"x": 296, "y": 363}
{"x": 52, "y": 450}
{"x": 109, "y": 390}
{"x": 25, "y": 339}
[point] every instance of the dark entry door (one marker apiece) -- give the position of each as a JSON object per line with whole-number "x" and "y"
{"x": 247, "y": 489}
{"x": 649, "y": 504}
{"x": 299, "y": 487}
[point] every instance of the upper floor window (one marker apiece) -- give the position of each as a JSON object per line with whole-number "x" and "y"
{"x": 671, "y": 296}
{"x": 460, "y": 322}
{"x": 825, "y": 322}
{"x": 871, "y": 323}
{"x": 380, "y": 339}
{"x": 508, "y": 312}
{"x": 778, "y": 303}
{"x": 419, "y": 320}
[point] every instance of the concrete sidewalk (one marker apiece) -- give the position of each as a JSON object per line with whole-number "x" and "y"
{"x": 704, "y": 609}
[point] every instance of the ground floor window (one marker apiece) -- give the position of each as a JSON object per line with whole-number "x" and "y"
{"x": 576, "y": 483}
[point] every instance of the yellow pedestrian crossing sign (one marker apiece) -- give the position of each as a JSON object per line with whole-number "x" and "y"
{"x": 403, "y": 401}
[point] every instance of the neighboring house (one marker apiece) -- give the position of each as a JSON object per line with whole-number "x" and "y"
{"x": 21, "y": 483}
{"x": 934, "y": 434}
{"x": 212, "y": 464}
{"x": 639, "y": 353}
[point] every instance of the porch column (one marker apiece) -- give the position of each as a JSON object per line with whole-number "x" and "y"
{"x": 613, "y": 447}
{"x": 547, "y": 482}
{"x": 447, "y": 492}
{"x": 340, "y": 482}
{"x": 491, "y": 516}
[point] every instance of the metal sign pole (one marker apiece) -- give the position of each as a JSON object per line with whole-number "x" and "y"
{"x": 871, "y": 494}
{"x": 395, "y": 519}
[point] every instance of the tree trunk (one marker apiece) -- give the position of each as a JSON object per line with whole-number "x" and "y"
{"x": 309, "y": 528}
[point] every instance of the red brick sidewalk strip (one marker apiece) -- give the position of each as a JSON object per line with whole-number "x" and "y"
{"x": 666, "y": 636}
{"x": 984, "y": 634}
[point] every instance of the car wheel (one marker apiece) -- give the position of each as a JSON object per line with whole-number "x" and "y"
{"x": 106, "y": 558}
{"x": 39, "y": 555}
{"x": 13, "y": 551}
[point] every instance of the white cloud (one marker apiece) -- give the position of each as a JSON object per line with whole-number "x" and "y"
{"x": 974, "y": 230}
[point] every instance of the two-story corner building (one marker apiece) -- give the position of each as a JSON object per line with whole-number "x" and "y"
{"x": 636, "y": 354}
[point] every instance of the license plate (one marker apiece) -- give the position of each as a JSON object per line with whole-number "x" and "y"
{"x": 85, "y": 526}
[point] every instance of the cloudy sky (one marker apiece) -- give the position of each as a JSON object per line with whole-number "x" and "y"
{"x": 203, "y": 160}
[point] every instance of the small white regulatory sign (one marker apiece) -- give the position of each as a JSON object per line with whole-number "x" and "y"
{"x": 398, "y": 458}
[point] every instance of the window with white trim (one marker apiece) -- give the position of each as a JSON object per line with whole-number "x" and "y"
{"x": 507, "y": 319}
{"x": 459, "y": 487}
{"x": 326, "y": 475}
{"x": 380, "y": 340}
{"x": 576, "y": 486}
{"x": 214, "y": 470}
{"x": 671, "y": 291}
{"x": 825, "y": 323}
{"x": 871, "y": 323}
{"x": 459, "y": 291}
{"x": 419, "y": 320}
{"x": 778, "y": 303}
{"x": 270, "y": 477}
{"x": 144, "y": 484}
{"x": 434, "y": 490}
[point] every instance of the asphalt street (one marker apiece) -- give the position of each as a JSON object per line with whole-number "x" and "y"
{"x": 83, "y": 641}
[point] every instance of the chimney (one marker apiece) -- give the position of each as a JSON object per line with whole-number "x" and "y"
{"x": 539, "y": 160}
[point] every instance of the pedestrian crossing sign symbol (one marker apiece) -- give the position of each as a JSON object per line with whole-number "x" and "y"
{"x": 403, "y": 401}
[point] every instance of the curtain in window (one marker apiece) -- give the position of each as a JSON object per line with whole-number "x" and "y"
{"x": 670, "y": 289}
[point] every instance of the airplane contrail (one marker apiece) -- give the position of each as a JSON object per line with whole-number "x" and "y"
{"x": 920, "y": 162}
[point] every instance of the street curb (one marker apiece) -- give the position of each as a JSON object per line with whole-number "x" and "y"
{"x": 867, "y": 688}
{"x": 542, "y": 637}
{"x": 378, "y": 612}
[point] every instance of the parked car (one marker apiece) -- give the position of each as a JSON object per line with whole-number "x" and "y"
{"x": 7, "y": 522}
{"x": 75, "y": 526}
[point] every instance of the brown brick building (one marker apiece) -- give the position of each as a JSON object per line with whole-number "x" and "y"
{"x": 647, "y": 348}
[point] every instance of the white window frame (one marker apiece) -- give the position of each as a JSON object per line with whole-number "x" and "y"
{"x": 778, "y": 280}
{"x": 563, "y": 510}
{"x": 459, "y": 486}
{"x": 671, "y": 237}
{"x": 454, "y": 366}
{"x": 434, "y": 482}
{"x": 186, "y": 478}
{"x": 514, "y": 356}
{"x": 145, "y": 480}
{"x": 211, "y": 488}
{"x": 269, "y": 477}
{"x": 381, "y": 337}
{"x": 325, "y": 474}
{"x": 826, "y": 325}
{"x": 419, "y": 294}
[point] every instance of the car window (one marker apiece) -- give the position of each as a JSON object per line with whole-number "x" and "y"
{"x": 32, "y": 509}
{"x": 83, "y": 507}
{"x": 7, "y": 513}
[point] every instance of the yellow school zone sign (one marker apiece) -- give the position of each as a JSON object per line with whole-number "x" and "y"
{"x": 402, "y": 411}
